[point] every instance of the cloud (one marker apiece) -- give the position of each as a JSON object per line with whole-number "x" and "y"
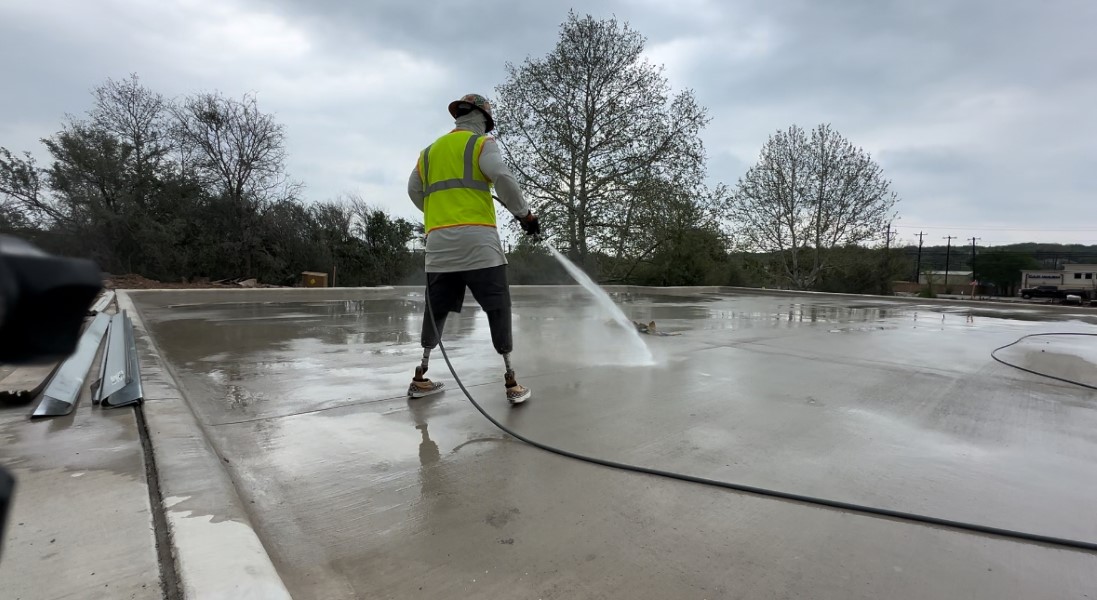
{"x": 980, "y": 112}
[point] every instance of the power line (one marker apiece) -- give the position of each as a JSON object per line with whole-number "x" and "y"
{"x": 991, "y": 228}
{"x": 938, "y": 251}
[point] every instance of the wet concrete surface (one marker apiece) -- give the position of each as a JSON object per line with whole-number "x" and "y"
{"x": 80, "y": 524}
{"x": 215, "y": 551}
{"x": 358, "y": 492}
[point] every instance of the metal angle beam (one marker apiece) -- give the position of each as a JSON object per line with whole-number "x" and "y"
{"x": 60, "y": 395}
{"x": 114, "y": 374}
{"x": 97, "y": 385}
{"x": 132, "y": 392}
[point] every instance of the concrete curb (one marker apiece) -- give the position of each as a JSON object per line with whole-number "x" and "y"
{"x": 217, "y": 553}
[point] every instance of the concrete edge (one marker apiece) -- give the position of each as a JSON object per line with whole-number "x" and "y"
{"x": 216, "y": 550}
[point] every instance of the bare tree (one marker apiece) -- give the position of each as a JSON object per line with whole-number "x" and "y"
{"x": 237, "y": 148}
{"x": 239, "y": 153}
{"x": 588, "y": 127}
{"x": 138, "y": 117}
{"x": 807, "y": 196}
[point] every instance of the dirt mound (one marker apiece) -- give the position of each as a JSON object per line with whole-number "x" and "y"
{"x": 137, "y": 282}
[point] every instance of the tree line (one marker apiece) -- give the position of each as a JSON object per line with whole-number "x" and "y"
{"x": 190, "y": 188}
{"x": 609, "y": 156}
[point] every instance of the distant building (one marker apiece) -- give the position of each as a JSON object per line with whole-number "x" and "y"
{"x": 1072, "y": 277}
{"x": 938, "y": 278}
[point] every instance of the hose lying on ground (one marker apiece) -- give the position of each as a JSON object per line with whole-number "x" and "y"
{"x": 994, "y": 355}
{"x": 858, "y": 508}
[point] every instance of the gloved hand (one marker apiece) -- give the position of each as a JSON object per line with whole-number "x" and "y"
{"x": 530, "y": 224}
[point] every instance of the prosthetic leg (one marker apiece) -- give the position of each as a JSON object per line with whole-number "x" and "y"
{"x": 499, "y": 322}
{"x": 421, "y": 386}
{"x": 489, "y": 287}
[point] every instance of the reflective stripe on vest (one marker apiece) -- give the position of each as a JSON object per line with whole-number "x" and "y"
{"x": 456, "y": 192}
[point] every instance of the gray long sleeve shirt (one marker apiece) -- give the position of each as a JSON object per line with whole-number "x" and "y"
{"x": 472, "y": 247}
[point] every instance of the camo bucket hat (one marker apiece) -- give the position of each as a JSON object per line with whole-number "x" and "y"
{"x": 473, "y": 101}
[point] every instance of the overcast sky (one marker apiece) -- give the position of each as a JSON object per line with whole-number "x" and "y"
{"x": 981, "y": 112}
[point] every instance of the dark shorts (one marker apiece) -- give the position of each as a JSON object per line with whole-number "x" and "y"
{"x": 488, "y": 286}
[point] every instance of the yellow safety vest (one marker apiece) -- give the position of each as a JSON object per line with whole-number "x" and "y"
{"x": 456, "y": 191}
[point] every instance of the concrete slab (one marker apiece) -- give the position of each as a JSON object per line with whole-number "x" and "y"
{"x": 80, "y": 525}
{"x": 356, "y": 491}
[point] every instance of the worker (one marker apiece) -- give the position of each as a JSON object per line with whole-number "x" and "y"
{"x": 451, "y": 184}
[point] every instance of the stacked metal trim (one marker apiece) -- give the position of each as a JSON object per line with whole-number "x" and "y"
{"x": 120, "y": 370}
{"x": 63, "y": 390}
{"x": 119, "y": 382}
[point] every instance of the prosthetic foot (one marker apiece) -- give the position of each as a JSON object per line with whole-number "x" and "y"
{"x": 516, "y": 393}
{"x": 421, "y": 386}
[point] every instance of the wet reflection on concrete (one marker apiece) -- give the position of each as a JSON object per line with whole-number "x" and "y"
{"x": 360, "y": 492}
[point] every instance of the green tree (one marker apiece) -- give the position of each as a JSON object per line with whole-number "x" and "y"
{"x": 1002, "y": 269}
{"x": 861, "y": 270}
{"x": 88, "y": 177}
{"x": 385, "y": 240}
{"x": 22, "y": 195}
{"x": 695, "y": 256}
{"x": 531, "y": 264}
{"x": 665, "y": 223}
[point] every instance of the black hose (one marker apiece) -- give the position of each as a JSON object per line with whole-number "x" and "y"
{"x": 994, "y": 353}
{"x": 858, "y": 508}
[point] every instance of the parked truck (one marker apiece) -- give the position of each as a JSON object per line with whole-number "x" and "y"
{"x": 1055, "y": 292}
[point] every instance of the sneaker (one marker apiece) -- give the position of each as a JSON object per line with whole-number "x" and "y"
{"x": 516, "y": 393}
{"x": 421, "y": 386}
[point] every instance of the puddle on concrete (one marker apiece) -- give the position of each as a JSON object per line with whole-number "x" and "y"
{"x": 235, "y": 330}
{"x": 258, "y": 358}
{"x": 330, "y": 348}
{"x": 858, "y": 329}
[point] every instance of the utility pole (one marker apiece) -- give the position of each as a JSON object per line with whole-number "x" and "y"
{"x": 948, "y": 252}
{"x": 918, "y": 265}
{"x": 884, "y": 287}
{"x": 973, "y": 256}
{"x": 973, "y": 278}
